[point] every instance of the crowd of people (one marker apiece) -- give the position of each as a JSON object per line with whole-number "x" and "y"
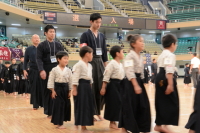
{"x": 93, "y": 82}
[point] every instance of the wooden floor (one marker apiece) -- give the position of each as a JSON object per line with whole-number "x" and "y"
{"x": 17, "y": 116}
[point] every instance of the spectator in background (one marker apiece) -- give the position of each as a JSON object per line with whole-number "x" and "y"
{"x": 120, "y": 38}
{"x": 175, "y": 73}
{"x": 3, "y": 42}
{"x": 187, "y": 79}
{"x": 155, "y": 53}
{"x": 122, "y": 45}
{"x": 153, "y": 71}
{"x": 107, "y": 45}
{"x": 76, "y": 45}
{"x": 73, "y": 45}
{"x": 194, "y": 69}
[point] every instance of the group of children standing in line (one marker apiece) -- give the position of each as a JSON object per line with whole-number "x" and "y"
{"x": 126, "y": 99}
{"x": 13, "y": 80}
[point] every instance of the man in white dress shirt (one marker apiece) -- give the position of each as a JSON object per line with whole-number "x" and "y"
{"x": 194, "y": 69}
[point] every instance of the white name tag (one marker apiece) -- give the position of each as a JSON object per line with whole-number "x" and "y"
{"x": 98, "y": 51}
{"x": 168, "y": 61}
{"x": 53, "y": 59}
{"x": 169, "y": 68}
{"x": 128, "y": 63}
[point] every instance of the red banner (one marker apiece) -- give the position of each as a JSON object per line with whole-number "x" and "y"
{"x": 161, "y": 24}
{"x": 4, "y": 53}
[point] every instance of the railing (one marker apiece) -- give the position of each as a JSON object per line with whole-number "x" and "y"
{"x": 171, "y": 1}
{"x": 17, "y": 4}
{"x": 184, "y": 20}
{"x": 185, "y": 8}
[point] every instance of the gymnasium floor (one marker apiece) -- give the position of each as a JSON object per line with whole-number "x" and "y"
{"x": 17, "y": 116}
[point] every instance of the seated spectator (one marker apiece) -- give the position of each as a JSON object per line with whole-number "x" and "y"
{"x": 107, "y": 45}
{"x": 122, "y": 45}
{"x": 3, "y": 42}
{"x": 73, "y": 45}
{"x": 76, "y": 45}
{"x": 155, "y": 53}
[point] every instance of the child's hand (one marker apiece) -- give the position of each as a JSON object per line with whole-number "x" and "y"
{"x": 74, "y": 92}
{"x": 17, "y": 77}
{"x": 69, "y": 95}
{"x": 169, "y": 89}
{"x": 137, "y": 89}
{"x": 103, "y": 91}
{"x": 53, "y": 95}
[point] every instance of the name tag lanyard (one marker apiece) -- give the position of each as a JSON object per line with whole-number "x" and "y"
{"x": 98, "y": 50}
{"x": 50, "y": 48}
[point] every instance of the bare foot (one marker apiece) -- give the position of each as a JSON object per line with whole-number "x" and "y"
{"x": 124, "y": 130}
{"x": 113, "y": 125}
{"x": 101, "y": 118}
{"x": 167, "y": 129}
{"x": 49, "y": 116}
{"x": 95, "y": 120}
{"x": 86, "y": 131}
{"x": 61, "y": 127}
{"x": 160, "y": 129}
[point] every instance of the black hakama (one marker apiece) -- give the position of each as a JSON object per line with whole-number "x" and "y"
{"x": 1, "y": 86}
{"x": 47, "y": 93}
{"x": 22, "y": 87}
{"x": 135, "y": 114}
{"x": 195, "y": 116}
{"x": 35, "y": 88}
{"x": 61, "y": 104}
{"x": 14, "y": 84}
{"x": 146, "y": 77}
{"x": 167, "y": 106}
{"x": 97, "y": 75}
{"x": 113, "y": 100}
{"x": 27, "y": 84}
{"x": 7, "y": 86}
{"x": 187, "y": 80}
{"x": 84, "y": 104}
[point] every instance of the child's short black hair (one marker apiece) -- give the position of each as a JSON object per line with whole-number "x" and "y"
{"x": 168, "y": 39}
{"x": 186, "y": 64}
{"x": 48, "y": 27}
{"x": 114, "y": 50}
{"x": 21, "y": 57}
{"x": 60, "y": 54}
{"x": 95, "y": 16}
{"x": 84, "y": 50}
{"x": 7, "y": 62}
{"x": 194, "y": 54}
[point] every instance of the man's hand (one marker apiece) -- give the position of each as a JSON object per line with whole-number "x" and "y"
{"x": 25, "y": 74}
{"x": 43, "y": 74}
{"x": 169, "y": 89}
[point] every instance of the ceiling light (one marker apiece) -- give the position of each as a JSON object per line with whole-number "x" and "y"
{"x": 166, "y": 31}
{"x": 16, "y": 24}
{"x": 197, "y": 29}
{"x": 0, "y": 22}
